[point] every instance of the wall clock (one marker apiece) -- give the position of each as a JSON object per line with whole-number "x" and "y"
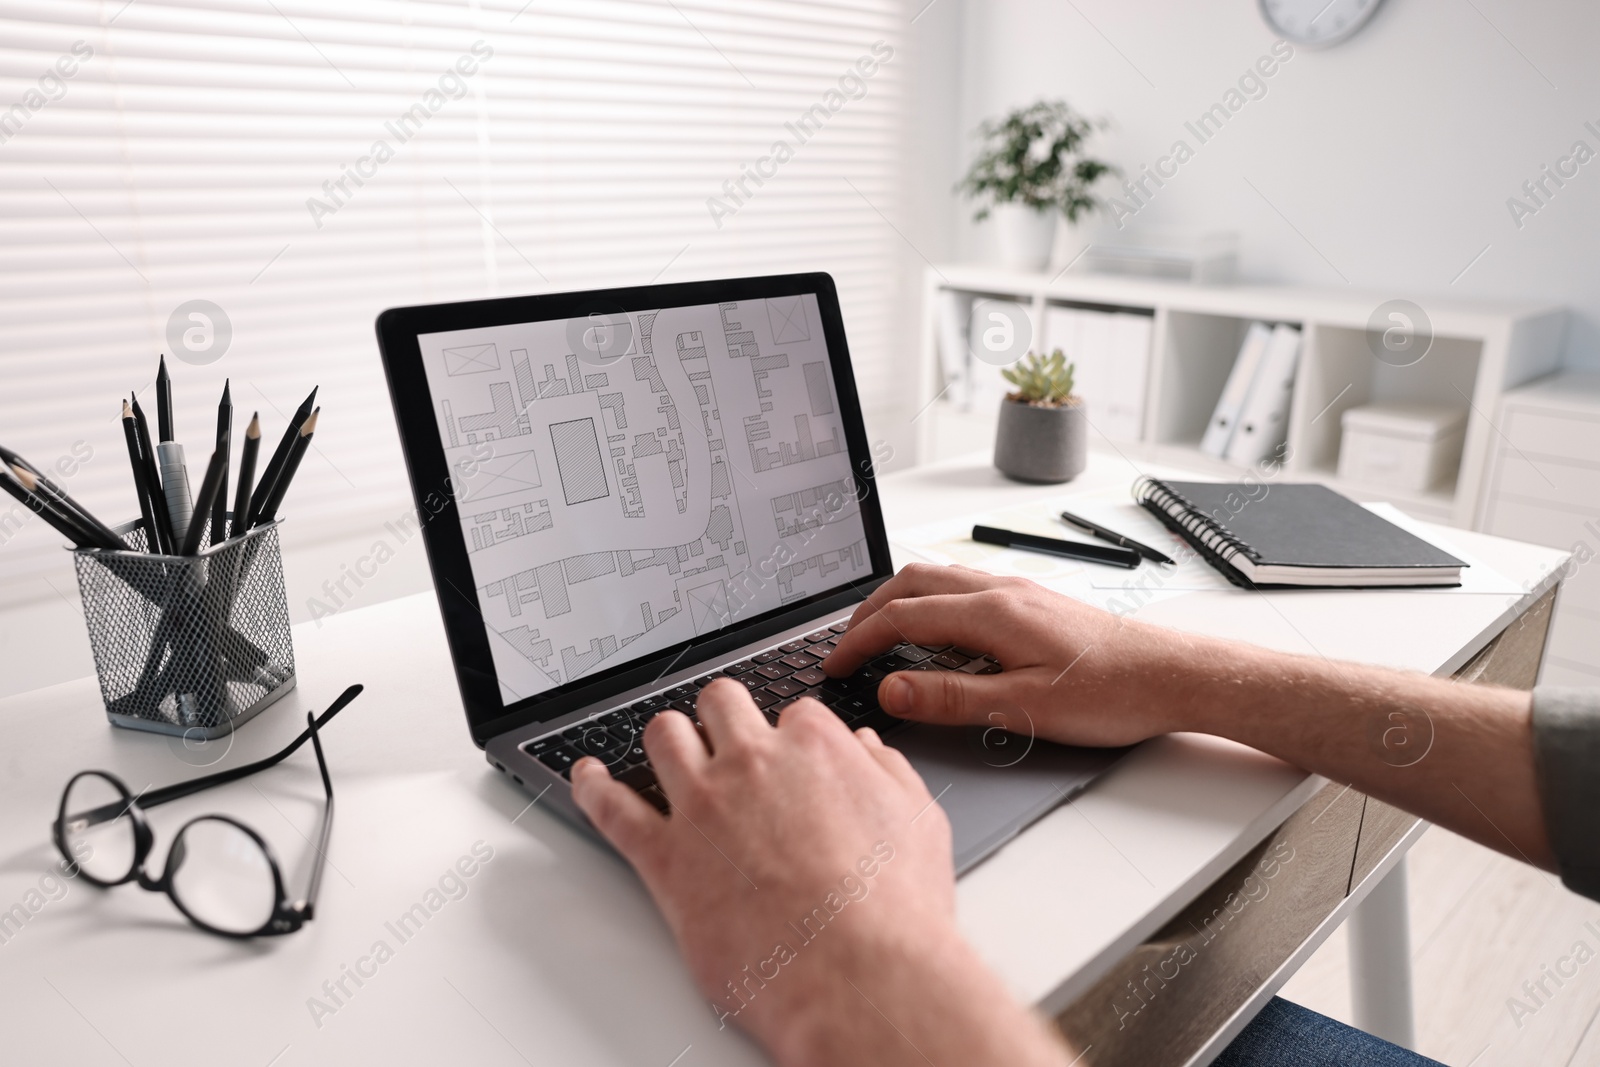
{"x": 1317, "y": 23}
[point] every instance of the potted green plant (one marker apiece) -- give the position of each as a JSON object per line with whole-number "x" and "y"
{"x": 1043, "y": 432}
{"x": 1031, "y": 170}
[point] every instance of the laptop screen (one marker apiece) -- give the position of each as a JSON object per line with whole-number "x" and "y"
{"x": 631, "y": 481}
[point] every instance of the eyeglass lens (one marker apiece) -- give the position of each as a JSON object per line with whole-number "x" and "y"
{"x": 102, "y": 846}
{"x": 221, "y": 876}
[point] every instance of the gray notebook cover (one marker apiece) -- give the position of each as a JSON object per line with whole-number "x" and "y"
{"x": 1307, "y": 525}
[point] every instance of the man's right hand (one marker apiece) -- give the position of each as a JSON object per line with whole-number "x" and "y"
{"x": 1071, "y": 673}
{"x": 1079, "y": 675}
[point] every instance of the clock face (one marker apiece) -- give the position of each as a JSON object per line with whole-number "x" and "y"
{"x": 1317, "y": 23}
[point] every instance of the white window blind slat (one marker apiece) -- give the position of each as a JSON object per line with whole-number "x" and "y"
{"x": 176, "y": 163}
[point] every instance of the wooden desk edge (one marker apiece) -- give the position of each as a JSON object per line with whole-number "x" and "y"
{"x": 1297, "y": 959}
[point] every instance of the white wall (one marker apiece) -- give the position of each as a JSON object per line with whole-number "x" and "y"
{"x": 1384, "y": 163}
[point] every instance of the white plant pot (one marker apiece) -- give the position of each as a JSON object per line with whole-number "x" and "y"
{"x": 1024, "y": 235}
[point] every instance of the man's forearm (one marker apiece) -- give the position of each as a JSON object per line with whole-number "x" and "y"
{"x": 932, "y": 1000}
{"x": 1457, "y": 755}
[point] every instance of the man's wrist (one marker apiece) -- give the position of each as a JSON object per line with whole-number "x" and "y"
{"x": 1191, "y": 683}
{"x": 893, "y": 995}
{"x": 830, "y": 1005}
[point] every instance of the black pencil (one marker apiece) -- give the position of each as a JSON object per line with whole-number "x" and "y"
{"x": 205, "y": 500}
{"x": 141, "y": 484}
{"x": 164, "y": 538}
{"x": 297, "y": 451}
{"x": 74, "y": 509}
{"x": 219, "y": 509}
{"x": 274, "y": 467}
{"x": 164, "y": 402}
{"x": 247, "y": 471}
{"x": 9, "y": 483}
{"x": 88, "y": 533}
{"x": 101, "y": 534}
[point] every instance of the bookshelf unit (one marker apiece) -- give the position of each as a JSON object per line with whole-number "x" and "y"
{"x": 1480, "y": 350}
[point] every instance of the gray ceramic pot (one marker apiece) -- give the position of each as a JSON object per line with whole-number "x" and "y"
{"x": 1041, "y": 444}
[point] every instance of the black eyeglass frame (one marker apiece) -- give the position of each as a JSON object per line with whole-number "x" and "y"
{"x": 287, "y": 915}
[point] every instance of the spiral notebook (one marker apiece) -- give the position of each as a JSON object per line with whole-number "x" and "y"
{"x": 1296, "y": 535}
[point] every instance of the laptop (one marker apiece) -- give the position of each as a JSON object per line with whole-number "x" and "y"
{"x": 627, "y": 493}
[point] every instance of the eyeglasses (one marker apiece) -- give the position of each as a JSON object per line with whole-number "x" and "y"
{"x": 220, "y": 873}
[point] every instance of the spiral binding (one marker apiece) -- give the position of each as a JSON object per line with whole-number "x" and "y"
{"x": 1213, "y": 535}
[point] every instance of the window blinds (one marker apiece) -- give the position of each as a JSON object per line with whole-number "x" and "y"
{"x": 259, "y": 178}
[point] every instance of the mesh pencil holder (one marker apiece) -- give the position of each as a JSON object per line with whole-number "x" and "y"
{"x": 188, "y": 645}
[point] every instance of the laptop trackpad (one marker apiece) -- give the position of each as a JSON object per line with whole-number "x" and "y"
{"x": 992, "y": 785}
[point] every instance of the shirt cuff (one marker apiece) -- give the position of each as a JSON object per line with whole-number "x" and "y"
{"x": 1566, "y": 746}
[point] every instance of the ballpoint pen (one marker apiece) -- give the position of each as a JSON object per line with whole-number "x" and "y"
{"x": 1053, "y": 546}
{"x": 1096, "y": 530}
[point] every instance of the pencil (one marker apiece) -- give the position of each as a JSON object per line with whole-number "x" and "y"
{"x": 88, "y": 534}
{"x": 164, "y": 401}
{"x": 247, "y": 472}
{"x": 141, "y": 485}
{"x": 269, "y": 473}
{"x": 74, "y": 509}
{"x": 164, "y": 540}
{"x": 269, "y": 510}
{"x": 219, "y": 509}
{"x": 35, "y": 505}
{"x": 210, "y": 487}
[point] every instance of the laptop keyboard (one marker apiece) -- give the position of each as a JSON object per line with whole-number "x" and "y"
{"x": 776, "y": 678}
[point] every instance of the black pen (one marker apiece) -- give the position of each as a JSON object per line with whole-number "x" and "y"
{"x": 1096, "y": 530}
{"x": 1116, "y": 557}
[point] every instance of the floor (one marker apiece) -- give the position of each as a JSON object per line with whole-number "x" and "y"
{"x": 1482, "y": 925}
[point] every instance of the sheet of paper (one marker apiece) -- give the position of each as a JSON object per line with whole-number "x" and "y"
{"x": 1118, "y": 589}
{"x": 1476, "y": 578}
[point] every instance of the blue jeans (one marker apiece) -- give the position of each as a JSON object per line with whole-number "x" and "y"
{"x": 1287, "y": 1035}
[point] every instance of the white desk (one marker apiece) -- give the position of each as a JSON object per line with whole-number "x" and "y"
{"x": 554, "y": 953}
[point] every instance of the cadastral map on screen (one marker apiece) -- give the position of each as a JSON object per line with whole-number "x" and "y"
{"x": 627, "y": 482}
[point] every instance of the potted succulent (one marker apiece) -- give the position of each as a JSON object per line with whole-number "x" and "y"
{"x": 1030, "y": 171}
{"x": 1043, "y": 431}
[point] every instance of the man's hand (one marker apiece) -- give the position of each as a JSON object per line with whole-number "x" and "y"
{"x": 1072, "y": 673}
{"x": 806, "y": 874}
{"x": 1075, "y": 674}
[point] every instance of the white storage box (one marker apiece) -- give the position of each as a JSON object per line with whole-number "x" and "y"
{"x": 1411, "y": 447}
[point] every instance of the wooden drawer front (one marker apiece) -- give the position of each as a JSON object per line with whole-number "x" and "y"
{"x": 1554, "y": 435}
{"x": 1541, "y": 478}
{"x": 1558, "y": 529}
{"x": 1575, "y": 633}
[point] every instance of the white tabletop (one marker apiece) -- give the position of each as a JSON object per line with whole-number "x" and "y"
{"x": 551, "y": 951}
